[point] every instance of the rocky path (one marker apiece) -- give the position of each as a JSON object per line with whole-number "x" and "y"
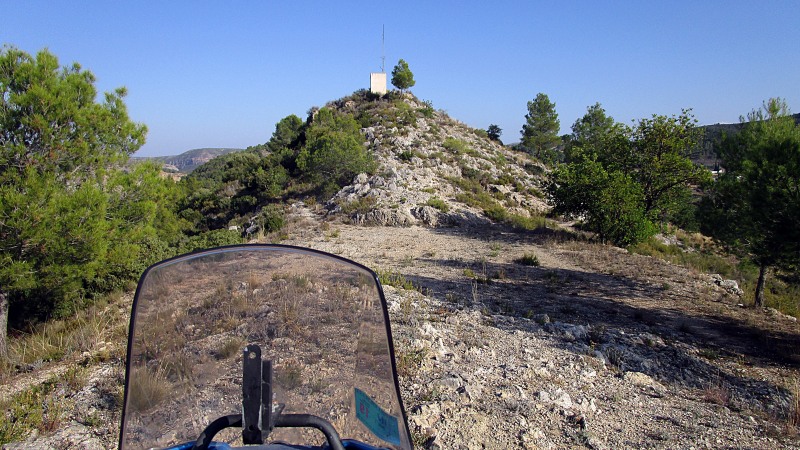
{"x": 593, "y": 348}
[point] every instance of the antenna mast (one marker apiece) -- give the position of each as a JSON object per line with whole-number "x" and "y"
{"x": 383, "y": 48}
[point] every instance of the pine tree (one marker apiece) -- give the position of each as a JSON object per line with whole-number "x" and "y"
{"x": 540, "y": 131}
{"x": 754, "y": 206}
{"x": 402, "y": 78}
{"x": 59, "y": 151}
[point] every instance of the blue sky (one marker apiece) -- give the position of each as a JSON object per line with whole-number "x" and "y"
{"x": 221, "y": 74}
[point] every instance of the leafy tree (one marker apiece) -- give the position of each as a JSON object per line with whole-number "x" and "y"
{"x": 540, "y": 131}
{"x": 334, "y": 151}
{"x": 287, "y": 132}
{"x": 589, "y": 130}
{"x": 402, "y": 78}
{"x": 610, "y": 202}
{"x": 655, "y": 152}
{"x": 58, "y": 207}
{"x": 494, "y": 132}
{"x": 653, "y": 156}
{"x": 754, "y": 206}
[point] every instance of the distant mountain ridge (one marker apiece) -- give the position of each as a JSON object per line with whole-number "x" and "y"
{"x": 189, "y": 160}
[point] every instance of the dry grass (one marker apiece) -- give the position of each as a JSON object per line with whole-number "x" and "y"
{"x": 793, "y": 416}
{"x": 717, "y": 393}
{"x": 147, "y": 389}
{"x": 410, "y": 362}
{"x": 103, "y": 323}
{"x": 528, "y": 259}
{"x": 230, "y": 347}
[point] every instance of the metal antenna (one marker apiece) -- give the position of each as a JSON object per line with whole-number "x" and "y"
{"x": 383, "y": 48}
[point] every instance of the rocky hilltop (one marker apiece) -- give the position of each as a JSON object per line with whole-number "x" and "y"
{"x": 434, "y": 170}
{"x": 511, "y": 330}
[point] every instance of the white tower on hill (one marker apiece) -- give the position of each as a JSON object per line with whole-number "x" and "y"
{"x": 377, "y": 80}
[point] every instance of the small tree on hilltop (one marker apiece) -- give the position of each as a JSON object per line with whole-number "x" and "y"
{"x": 494, "y": 132}
{"x": 540, "y": 131}
{"x": 334, "y": 151}
{"x": 402, "y": 78}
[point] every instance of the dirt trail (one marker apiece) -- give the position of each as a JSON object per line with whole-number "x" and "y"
{"x": 697, "y": 352}
{"x": 591, "y": 348}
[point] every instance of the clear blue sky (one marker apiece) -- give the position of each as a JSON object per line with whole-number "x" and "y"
{"x": 221, "y": 74}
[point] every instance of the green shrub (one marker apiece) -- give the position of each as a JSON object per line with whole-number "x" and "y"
{"x": 389, "y": 278}
{"x": 534, "y": 169}
{"x": 526, "y": 222}
{"x": 438, "y": 203}
{"x": 406, "y": 155}
{"x": 427, "y": 112}
{"x": 528, "y": 259}
{"x": 505, "y": 179}
{"x": 209, "y": 239}
{"x": 29, "y": 410}
{"x": 271, "y": 218}
{"x": 456, "y": 146}
{"x": 496, "y": 212}
{"x": 334, "y": 153}
{"x": 361, "y": 205}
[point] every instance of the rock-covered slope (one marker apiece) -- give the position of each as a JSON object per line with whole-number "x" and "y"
{"x": 433, "y": 169}
{"x": 588, "y": 349}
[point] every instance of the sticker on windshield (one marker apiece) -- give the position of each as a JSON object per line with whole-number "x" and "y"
{"x": 378, "y": 421}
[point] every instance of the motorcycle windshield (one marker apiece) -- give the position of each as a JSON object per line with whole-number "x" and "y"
{"x": 321, "y": 319}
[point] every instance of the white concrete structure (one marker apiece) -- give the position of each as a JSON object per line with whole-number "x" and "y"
{"x": 377, "y": 82}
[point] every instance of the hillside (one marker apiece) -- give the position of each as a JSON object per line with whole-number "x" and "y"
{"x": 434, "y": 170}
{"x": 511, "y": 330}
{"x": 189, "y": 160}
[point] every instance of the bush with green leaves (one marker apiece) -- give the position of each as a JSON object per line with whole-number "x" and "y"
{"x": 456, "y": 146}
{"x": 271, "y": 218}
{"x": 610, "y": 203}
{"x": 209, "y": 239}
{"x": 438, "y": 203}
{"x": 334, "y": 152}
{"x": 622, "y": 180}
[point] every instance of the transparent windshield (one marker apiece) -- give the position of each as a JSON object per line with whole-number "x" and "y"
{"x": 321, "y": 320}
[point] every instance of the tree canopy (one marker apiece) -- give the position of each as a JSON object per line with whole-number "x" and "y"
{"x": 494, "y": 132}
{"x": 754, "y": 206}
{"x": 334, "y": 151}
{"x": 636, "y": 175}
{"x": 402, "y": 78}
{"x": 540, "y": 130}
{"x": 589, "y": 130}
{"x": 71, "y": 222}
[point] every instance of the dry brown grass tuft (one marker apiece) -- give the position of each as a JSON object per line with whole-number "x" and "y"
{"x": 230, "y": 347}
{"x": 147, "y": 389}
{"x": 717, "y": 393}
{"x": 793, "y": 416}
{"x": 91, "y": 328}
